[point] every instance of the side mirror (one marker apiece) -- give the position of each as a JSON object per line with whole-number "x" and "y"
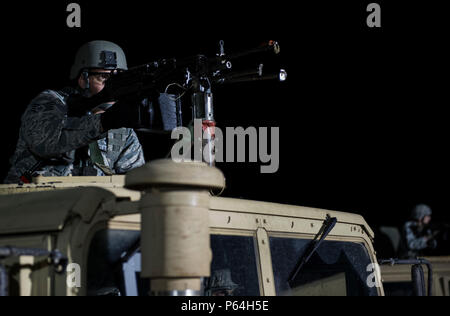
{"x": 417, "y": 273}
{"x": 418, "y": 280}
{"x": 55, "y": 258}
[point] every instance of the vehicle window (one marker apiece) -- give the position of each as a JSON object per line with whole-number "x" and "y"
{"x": 105, "y": 261}
{"x": 114, "y": 266}
{"x": 234, "y": 268}
{"x": 336, "y": 269}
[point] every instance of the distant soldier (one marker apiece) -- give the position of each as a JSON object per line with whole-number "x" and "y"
{"x": 417, "y": 236}
{"x": 55, "y": 140}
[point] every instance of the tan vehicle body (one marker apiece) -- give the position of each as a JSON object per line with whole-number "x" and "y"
{"x": 65, "y": 214}
{"x": 399, "y": 274}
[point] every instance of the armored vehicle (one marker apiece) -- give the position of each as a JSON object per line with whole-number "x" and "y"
{"x": 163, "y": 230}
{"x": 397, "y": 278}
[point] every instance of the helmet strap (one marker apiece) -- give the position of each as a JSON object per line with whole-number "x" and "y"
{"x": 87, "y": 88}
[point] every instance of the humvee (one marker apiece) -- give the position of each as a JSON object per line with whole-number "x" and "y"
{"x": 163, "y": 230}
{"x": 397, "y": 279}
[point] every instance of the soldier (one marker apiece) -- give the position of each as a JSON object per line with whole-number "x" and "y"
{"x": 55, "y": 141}
{"x": 417, "y": 236}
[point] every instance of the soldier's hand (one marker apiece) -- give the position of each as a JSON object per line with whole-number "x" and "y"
{"x": 78, "y": 104}
{"x": 432, "y": 243}
{"x": 121, "y": 115}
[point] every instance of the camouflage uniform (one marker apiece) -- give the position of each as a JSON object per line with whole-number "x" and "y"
{"x": 60, "y": 143}
{"x": 415, "y": 235}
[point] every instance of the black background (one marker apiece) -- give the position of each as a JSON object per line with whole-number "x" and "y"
{"x": 361, "y": 117}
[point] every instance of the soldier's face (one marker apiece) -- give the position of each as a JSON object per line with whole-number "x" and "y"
{"x": 427, "y": 220}
{"x": 96, "y": 82}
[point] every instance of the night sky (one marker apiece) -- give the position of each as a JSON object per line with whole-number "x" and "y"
{"x": 361, "y": 117}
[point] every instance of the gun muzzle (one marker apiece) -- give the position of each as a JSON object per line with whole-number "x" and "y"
{"x": 267, "y": 47}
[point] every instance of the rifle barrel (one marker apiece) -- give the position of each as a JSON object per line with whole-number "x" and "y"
{"x": 270, "y": 46}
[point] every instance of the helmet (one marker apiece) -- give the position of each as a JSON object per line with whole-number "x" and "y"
{"x": 98, "y": 54}
{"x": 420, "y": 211}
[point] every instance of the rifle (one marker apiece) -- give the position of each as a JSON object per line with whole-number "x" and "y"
{"x": 439, "y": 230}
{"x": 196, "y": 75}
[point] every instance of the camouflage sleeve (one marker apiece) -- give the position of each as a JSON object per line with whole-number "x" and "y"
{"x": 414, "y": 242}
{"x": 48, "y": 132}
{"x": 132, "y": 156}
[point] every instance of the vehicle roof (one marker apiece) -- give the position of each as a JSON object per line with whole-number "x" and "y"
{"x": 49, "y": 210}
{"x": 114, "y": 184}
{"x": 47, "y": 206}
{"x": 276, "y": 209}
